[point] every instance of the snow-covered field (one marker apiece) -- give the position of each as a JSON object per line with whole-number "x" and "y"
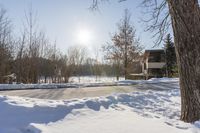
{"x": 137, "y": 112}
{"x": 93, "y": 79}
{"x": 85, "y": 82}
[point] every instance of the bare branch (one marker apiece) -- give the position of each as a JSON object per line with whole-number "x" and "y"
{"x": 157, "y": 20}
{"x": 95, "y": 4}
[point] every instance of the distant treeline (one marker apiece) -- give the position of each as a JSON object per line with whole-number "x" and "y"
{"x": 30, "y": 57}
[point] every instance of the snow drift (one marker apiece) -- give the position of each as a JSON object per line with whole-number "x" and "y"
{"x": 27, "y": 115}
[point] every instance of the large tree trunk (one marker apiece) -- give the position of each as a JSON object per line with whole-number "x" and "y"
{"x": 185, "y": 15}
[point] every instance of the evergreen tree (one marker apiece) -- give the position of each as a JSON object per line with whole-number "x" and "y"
{"x": 170, "y": 56}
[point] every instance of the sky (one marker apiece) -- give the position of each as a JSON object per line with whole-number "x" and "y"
{"x": 64, "y": 20}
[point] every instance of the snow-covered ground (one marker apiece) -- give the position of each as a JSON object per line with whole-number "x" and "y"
{"x": 86, "y": 82}
{"x": 141, "y": 112}
{"x": 93, "y": 79}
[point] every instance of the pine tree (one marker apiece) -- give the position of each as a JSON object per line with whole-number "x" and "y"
{"x": 170, "y": 56}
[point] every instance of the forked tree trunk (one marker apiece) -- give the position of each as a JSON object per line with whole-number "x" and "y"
{"x": 185, "y": 15}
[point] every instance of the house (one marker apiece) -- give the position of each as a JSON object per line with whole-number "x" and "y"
{"x": 153, "y": 63}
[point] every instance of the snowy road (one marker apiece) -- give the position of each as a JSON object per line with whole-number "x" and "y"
{"x": 70, "y": 93}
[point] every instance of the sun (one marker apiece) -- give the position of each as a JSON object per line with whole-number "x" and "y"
{"x": 84, "y": 36}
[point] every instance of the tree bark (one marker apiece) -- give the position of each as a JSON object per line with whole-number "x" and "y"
{"x": 185, "y": 15}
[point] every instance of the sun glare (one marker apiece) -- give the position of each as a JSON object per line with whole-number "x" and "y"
{"x": 84, "y": 36}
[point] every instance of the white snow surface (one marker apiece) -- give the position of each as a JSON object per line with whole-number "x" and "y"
{"x": 138, "y": 112}
{"x": 93, "y": 79}
{"x": 85, "y": 82}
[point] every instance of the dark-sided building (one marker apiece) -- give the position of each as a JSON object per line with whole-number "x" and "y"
{"x": 153, "y": 63}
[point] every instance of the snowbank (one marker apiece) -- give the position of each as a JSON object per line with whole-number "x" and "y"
{"x": 86, "y": 84}
{"x": 54, "y": 86}
{"x": 158, "y": 80}
{"x": 149, "y": 111}
{"x": 152, "y": 81}
{"x": 94, "y": 79}
{"x": 35, "y": 86}
{"x": 85, "y": 81}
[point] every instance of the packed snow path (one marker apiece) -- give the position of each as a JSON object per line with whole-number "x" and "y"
{"x": 69, "y": 93}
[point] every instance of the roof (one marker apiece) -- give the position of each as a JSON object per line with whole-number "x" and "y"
{"x": 148, "y": 51}
{"x": 154, "y": 50}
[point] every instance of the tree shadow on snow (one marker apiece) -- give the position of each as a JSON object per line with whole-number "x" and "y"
{"x": 151, "y": 104}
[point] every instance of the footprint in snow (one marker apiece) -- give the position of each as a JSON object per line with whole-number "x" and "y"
{"x": 117, "y": 108}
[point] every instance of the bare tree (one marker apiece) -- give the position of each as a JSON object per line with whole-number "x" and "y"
{"x": 97, "y": 64}
{"x": 68, "y": 65}
{"x": 126, "y": 46}
{"x": 30, "y": 28}
{"x": 32, "y": 52}
{"x": 19, "y": 58}
{"x": 157, "y": 19}
{"x": 36, "y": 43}
{"x": 79, "y": 54}
{"x": 113, "y": 54}
{"x": 5, "y": 45}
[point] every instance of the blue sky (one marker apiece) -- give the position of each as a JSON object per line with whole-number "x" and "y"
{"x": 62, "y": 19}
